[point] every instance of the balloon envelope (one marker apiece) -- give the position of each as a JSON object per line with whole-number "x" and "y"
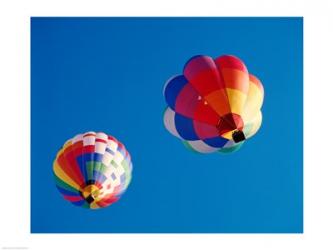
{"x": 214, "y": 105}
{"x": 92, "y": 170}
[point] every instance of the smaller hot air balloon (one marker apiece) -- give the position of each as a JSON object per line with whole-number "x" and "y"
{"x": 215, "y": 105}
{"x": 92, "y": 170}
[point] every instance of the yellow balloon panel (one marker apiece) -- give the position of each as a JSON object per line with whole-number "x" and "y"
{"x": 253, "y": 102}
{"x": 237, "y": 100}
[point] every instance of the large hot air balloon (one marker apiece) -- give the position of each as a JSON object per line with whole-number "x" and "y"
{"x": 215, "y": 105}
{"x": 92, "y": 170}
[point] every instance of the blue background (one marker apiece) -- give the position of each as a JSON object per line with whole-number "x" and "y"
{"x": 107, "y": 74}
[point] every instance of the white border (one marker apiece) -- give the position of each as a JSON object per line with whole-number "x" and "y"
{"x": 15, "y": 123}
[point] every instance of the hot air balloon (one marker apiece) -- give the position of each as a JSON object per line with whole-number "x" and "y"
{"x": 92, "y": 170}
{"x": 215, "y": 105}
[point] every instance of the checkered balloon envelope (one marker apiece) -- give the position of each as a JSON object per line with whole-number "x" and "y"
{"x": 92, "y": 170}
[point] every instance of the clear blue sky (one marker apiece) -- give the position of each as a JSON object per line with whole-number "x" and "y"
{"x": 107, "y": 74}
